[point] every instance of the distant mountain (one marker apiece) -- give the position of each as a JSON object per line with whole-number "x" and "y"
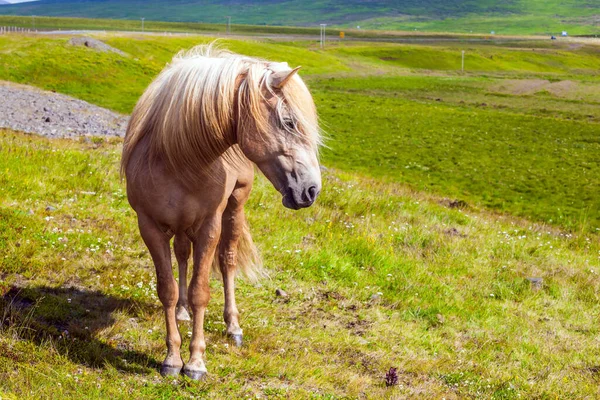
{"x": 503, "y": 16}
{"x": 14, "y": 1}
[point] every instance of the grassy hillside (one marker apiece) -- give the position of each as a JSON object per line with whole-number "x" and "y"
{"x": 114, "y": 81}
{"x": 517, "y": 132}
{"x": 68, "y": 23}
{"x": 516, "y": 16}
{"x": 377, "y": 277}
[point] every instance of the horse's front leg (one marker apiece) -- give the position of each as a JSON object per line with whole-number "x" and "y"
{"x": 157, "y": 242}
{"x": 233, "y": 225}
{"x": 205, "y": 243}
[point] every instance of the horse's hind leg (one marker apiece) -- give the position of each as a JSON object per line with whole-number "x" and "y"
{"x": 233, "y": 226}
{"x": 157, "y": 242}
{"x": 182, "y": 246}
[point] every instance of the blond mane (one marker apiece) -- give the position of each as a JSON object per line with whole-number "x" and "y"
{"x": 192, "y": 112}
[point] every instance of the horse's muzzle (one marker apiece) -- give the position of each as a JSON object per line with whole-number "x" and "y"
{"x": 295, "y": 199}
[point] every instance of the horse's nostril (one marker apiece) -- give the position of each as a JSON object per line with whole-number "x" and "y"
{"x": 312, "y": 193}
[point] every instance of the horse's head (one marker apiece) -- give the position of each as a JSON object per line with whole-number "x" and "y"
{"x": 281, "y": 135}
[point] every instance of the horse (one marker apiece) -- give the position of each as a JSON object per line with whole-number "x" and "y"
{"x": 188, "y": 161}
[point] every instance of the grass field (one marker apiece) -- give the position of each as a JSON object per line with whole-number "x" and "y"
{"x": 467, "y": 135}
{"x": 69, "y": 23}
{"x": 514, "y": 17}
{"x": 527, "y": 24}
{"x": 412, "y": 257}
{"x": 43, "y": 23}
{"x": 377, "y": 276}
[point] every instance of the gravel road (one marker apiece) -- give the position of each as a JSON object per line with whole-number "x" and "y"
{"x": 28, "y": 109}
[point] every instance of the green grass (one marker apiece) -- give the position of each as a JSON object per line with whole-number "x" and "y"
{"x": 515, "y": 17}
{"x": 420, "y": 160}
{"x": 468, "y": 135}
{"x": 116, "y": 82}
{"x": 519, "y": 24}
{"x": 44, "y": 23}
{"x": 456, "y": 313}
{"x": 523, "y": 164}
{"x": 69, "y": 23}
{"x": 477, "y": 58}
{"x": 521, "y": 17}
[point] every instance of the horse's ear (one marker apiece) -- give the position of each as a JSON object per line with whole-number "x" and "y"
{"x": 280, "y": 78}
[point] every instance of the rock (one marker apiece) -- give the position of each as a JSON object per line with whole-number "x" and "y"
{"x": 536, "y": 283}
{"x": 453, "y": 203}
{"x": 281, "y": 293}
{"x": 440, "y": 318}
{"x": 95, "y": 44}
{"x": 50, "y": 208}
{"x": 454, "y": 232}
{"x": 47, "y": 119}
{"x": 375, "y": 297}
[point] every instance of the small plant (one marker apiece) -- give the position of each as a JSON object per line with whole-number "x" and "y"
{"x": 391, "y": 377}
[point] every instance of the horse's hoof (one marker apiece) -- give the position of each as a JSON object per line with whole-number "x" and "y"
{"x": 237, "y": 339}
{"x": 195, "y": 375}
{"x": 167, "y": 370}
{"x": 182, "y": 314}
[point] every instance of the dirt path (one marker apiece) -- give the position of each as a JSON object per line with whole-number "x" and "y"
{"x": 31, "y": 110}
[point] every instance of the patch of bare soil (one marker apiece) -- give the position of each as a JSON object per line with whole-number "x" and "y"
{"x": 562, "y": 88}
{"x": 532, "y": 86}
{"x": 521, "y": 86}
{"x": 31, "y": 110}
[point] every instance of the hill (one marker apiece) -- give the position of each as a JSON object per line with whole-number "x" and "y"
{"x": 516, "y": 16}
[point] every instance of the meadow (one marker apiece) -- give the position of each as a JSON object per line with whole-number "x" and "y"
{"x": 45, "y": 23}
{"x": 454, "y": 238}
{"x": 515, "y": 17}
{"x": 517, "y": 124}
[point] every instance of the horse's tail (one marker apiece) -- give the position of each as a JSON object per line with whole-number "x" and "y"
{"x": 248, "y": 258}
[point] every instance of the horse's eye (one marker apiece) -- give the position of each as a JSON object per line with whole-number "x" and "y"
{"x": 289, "y": 124}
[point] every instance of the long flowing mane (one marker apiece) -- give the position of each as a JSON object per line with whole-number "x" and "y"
{"x": 192, "y": 110}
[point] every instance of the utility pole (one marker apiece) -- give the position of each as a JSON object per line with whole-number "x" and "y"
{"x": 323, "y": 35}
{"x": 462, "y": 68}
{"x": 143, "y": 24}
{"x": 228, "y": 24}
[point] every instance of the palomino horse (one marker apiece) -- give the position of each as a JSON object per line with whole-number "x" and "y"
{"x": 187, "y": 159}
